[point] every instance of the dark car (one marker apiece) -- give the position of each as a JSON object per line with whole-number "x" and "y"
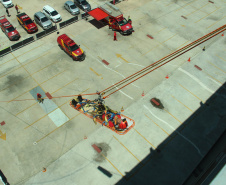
{"x": 83, "y": 4}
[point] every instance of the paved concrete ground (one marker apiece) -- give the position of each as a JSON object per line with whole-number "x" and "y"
{"x": 34, "y": 141}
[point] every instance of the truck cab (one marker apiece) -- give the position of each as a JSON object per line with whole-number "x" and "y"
{"x": 121, "y": 24}
{"x": 8, "y": 29}
{"x": 26, "y": 22}
{"x": 70, "y": 47}
{"x": 111, "y": 15}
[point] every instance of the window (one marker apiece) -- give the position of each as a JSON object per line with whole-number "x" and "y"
{"x": 73, "y": 6}
{"x": 28, "y": 22}
{"x": 10, "y": 29}
{"x": 44, "y": 19}
{"x": 74, "y": 47}
{"x": 84, "y": 2}
{"x": 54, "y": 13}
{"x": 122, "y": 22}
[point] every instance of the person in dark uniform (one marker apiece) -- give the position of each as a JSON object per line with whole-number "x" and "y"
{"x": 7, "y": 11}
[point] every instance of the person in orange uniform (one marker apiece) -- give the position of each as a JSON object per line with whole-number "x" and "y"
{"x": 123, "y": 125}
{"x": 115, "y": 39}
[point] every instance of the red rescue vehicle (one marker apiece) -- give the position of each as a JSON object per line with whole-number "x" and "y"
{"x": 70, "y": 47}
{"x": 26, "y": 22}
{"x": 113, "y": 17}
{"x": 8, "y": 29}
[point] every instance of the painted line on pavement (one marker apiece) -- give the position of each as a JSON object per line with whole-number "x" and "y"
{"x": 216, "y": 66}
{"x": 175, "y": 131}
{"x": 221, "y": 58}
{"x": 197, "y": 80}
{"x": 112, "y": 164}
{"x": 173, "y": 116}
{"x": 145, "y": 138}
{"x": 127, "y": 149}
{"x": 191, "y": 93}
{"x": 213, "y": 77}
{"x": 157, "y": 125}
{"x": 56, "y": 128}
{"x": 215, "y": 22}
{"x": 94, "y": 71}
{"x": 207, "y": 15}
{"x": 52, "y": 111}
{"x": 64, "y": 86}
{"x": 124, "y": 93}
{"x": 182, "y": 103}
{"x": 197, "y": 9}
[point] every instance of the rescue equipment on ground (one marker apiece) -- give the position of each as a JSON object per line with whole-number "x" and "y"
{"x": 99, "y": 112}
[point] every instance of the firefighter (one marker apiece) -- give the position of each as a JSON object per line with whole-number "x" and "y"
{"x": 16, "y": 7}
{"x": 129, "y": 20}
{"x": 7, "y": 11}
{"x": 123, "y": 125}
{"x": 39, "y": 98}
{"x": 115, "y": 39}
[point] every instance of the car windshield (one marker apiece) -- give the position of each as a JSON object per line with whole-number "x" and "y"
{"x": 54, "y": 13}
{"x": 84, "y": 2}
{"x": 73, "y": 6}
{"x": 5, "y": 0}
{"x": 28, "y": 22}
{"x": 10, "y": 29}
{"x": 44, "y": 19}
{"x": 74, "y": 47}
{"x": 122, "y": 22}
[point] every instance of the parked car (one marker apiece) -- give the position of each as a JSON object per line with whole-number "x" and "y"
{"x": 51, "y": 13}
{"x": 83, "y": 4}
{"x": 71, "y": 7}
{"x": 8, "y": 29}
{"x": 7, "y": 3}
{"x": 42, "y": 20}
{"x": 71, "y": 48}
{"x": 26, "y": 22}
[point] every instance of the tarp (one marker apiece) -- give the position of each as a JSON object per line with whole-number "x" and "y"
{"x": 98, "y": 14}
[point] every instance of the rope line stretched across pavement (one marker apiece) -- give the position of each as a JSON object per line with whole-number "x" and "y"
{"x": 147, "y": 69}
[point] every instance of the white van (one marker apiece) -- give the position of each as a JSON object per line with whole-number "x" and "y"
{"x": 51, "y": 13}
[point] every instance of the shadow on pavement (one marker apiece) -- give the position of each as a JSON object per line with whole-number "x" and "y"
{"x": 174, "y": 160}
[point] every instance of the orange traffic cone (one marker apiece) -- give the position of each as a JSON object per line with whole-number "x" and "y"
{"x": 189, "y": 60}
{"x": 44, "y": 170}
{"x": 222, "y": 34}
{"x": 143, "y": 93}
{"x": 122, "y": 109}
{"x": 167, "y": 77}
{"x": 85, "y": 137}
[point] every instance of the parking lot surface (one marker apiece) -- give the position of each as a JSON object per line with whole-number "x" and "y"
{"x": 51, "y": 143}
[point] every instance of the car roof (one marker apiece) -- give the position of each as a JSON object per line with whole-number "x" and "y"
{"x": 49, "y": 8}
{"x": 40, "y": 14}
{"x": 69, "y": 2}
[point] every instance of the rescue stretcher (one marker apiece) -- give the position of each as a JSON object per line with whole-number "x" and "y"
{"x": 85, "y": 108}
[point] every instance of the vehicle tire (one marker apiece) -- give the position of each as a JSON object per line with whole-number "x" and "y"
{"x": 60, "y": 46}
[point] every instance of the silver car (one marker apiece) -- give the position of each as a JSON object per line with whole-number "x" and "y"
{"x": 42, "y": 20}
{"x": 83, "y": 4}
{"x": 71, "y": 7}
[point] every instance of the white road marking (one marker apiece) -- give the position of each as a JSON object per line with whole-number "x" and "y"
{"x": 113, "y": 70}
{"x": 136, "y": 64}
{"x": 124, "y": 93}
{"x": 174, "y": 130}
{"x": 196, "y": 79}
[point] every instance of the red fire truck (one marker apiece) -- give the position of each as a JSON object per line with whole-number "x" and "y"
{"x": 70, "y": 47}
{"x": 8, "y": 29}
{"x": 26, "y": 22}
{"x": 113, "y": 17}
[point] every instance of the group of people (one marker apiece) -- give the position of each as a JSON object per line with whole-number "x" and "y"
{"x": 17, "y": 10}
{"x": 114, "y": 121}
